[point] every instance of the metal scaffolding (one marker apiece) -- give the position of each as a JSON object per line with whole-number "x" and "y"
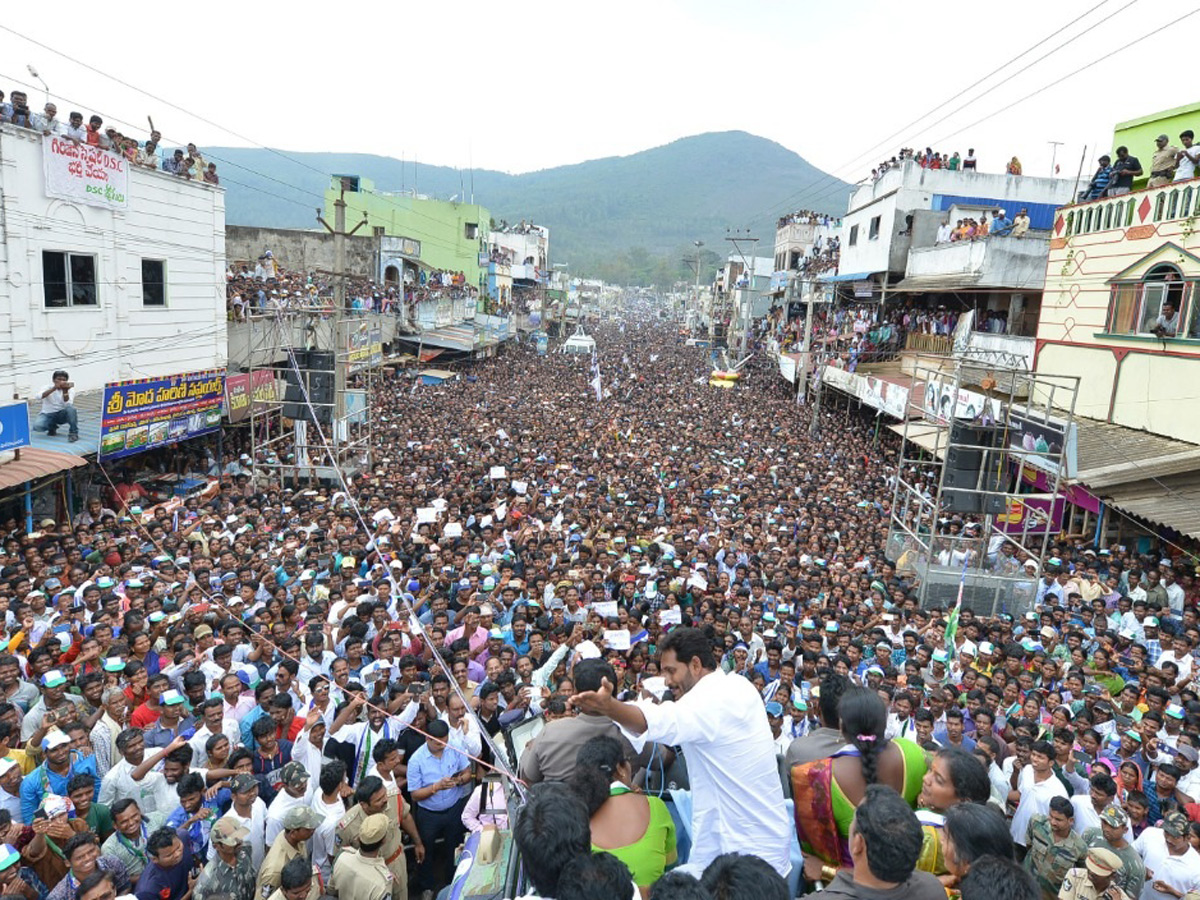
{"x": 979, "y": 479}
{"x": 304, "y": 346}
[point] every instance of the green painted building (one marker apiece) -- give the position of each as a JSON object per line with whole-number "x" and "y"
{"x": 434, "y": 234}
{"x": 1139, "y": 134}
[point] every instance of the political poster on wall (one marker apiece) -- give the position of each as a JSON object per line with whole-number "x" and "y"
{"x": 154, "y": 412}
{"x": 943, "y": 403}
{"x": 365, "y": 348}
{"x": 1042, "y": 442}
{"x": 85, "y": 174}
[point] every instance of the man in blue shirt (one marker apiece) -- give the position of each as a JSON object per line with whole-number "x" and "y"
{"x": 52, "y": 776}
{"x": 196, "y": 813}
{"x": 170, "y": 863}
{"x": 439, "y": 776}
{"x": 172, "y": 722}
{"x": 1001, "y": 225}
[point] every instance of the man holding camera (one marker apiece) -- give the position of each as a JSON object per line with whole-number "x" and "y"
{"x": 57, "y": 408}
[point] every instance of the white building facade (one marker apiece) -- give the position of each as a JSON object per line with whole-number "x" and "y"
{"x": 883, "y": 216}
{"x": 109, "y": 271}
{"x": 526, "y": 251}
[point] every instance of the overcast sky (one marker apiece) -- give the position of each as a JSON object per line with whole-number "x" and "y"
{"x": 534, "y": 84}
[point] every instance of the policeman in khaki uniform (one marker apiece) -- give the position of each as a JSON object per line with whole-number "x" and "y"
{"x": 373, "y": 800}
{"x": 299, "y": 823}
{"x": 1094, "y": 881}
{"x": 361, "y": 874}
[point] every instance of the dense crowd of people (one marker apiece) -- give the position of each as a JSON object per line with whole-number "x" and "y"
{"x": 296, "y": 689}
{"x": 808, "y": 217}
{"x": 268, "y": 287}
{"x": 823, "y": 257}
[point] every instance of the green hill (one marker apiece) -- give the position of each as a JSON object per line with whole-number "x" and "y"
{"x": 638, "y": 211}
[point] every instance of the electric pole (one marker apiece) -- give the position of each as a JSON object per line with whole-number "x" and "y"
{"x": 806, "y": 351}
{"x": 744, "y": 308}
{"x": 341, "y": 361}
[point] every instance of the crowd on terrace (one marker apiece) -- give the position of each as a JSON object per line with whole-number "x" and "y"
{"x": 189, "y": 163}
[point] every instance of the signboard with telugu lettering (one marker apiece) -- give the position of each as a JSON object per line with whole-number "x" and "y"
{"x": 85, "y": 174}
{"x": 154, "y": 412}
{"x": 249, "y": 392}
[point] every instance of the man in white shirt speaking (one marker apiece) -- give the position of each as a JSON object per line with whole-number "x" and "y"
{"x": 719, "y": 721}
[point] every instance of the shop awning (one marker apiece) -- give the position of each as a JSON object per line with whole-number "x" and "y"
{"x": 1169, "y": 502}
{"x": 34, "y": 464}
{"x": 452, "y": 337}
{"x": 1111, "y": 455}
{"x": 851, "y": 276}
{"x": 429, "y": 355}
{"x": 931, "y": 438}
{"x": 932, "y": 284}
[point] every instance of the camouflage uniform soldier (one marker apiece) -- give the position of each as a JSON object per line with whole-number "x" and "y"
{"x": 231, "y": 870}
{"x": 1096, "y": 880}
{"x": 1053, "y": 848}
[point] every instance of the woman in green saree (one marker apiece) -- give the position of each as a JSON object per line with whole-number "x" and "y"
{"x": 827, "y": 791}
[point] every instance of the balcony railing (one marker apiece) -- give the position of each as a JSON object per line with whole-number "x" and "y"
{"x": 939, "y": 344}
{"x": 1169, "y": 202}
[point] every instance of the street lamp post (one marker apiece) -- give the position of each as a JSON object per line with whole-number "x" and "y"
{"x": 34, "y": 73}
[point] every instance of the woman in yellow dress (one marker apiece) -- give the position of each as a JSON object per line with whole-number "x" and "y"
{"x": 955, "y": 776}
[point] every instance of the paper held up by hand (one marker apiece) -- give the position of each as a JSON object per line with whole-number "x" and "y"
{"x": 452, "y": 530}
{"x": 520, "y": 487}
{"x": 699, "y": 582}
{"x": 672, "y": 616}
{"x": 426, "y": 514}
{"x": 497, "y": 472}
{"x": 617, "y": 640}
{"x": 606, "y": 608}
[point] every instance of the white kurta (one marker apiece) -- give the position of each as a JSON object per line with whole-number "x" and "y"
{"x": 737, "y": 800}
{"x": 1180, "y": 872}
{"x": 1035, "y": 801}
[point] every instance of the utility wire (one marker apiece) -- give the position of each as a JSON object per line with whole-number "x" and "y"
{"x": 835, "y": 187}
